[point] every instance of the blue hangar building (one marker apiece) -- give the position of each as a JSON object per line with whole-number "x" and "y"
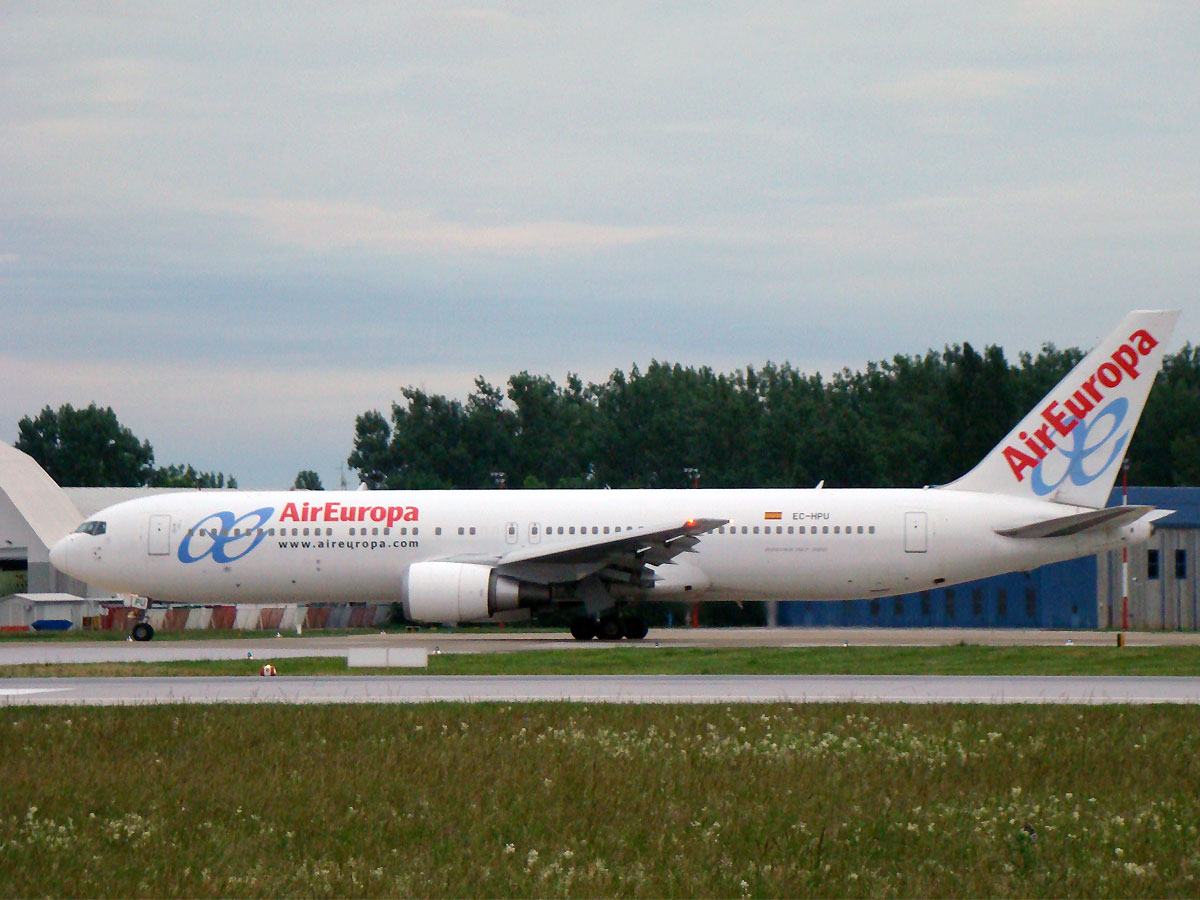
{"x": 1079, "y": 593}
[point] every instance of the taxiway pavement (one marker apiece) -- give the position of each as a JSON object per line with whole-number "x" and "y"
{"x": 602, "y": 689}
{"x": 492, "y": 641}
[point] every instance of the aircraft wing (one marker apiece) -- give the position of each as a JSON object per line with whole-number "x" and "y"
{"x": 626, "y": 557}
{"x": 1063, "y": 526}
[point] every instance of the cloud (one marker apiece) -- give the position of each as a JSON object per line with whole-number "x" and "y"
{"x": 256, "y": 217}
{"x": 210, "y": 415}
{"x": 966, "y": 85}
{"x": 321, "y": 226}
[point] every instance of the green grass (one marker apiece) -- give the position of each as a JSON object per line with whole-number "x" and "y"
{"x": 564, "y": 800}
{"x": 963, "y": 659}
{"x": 955, "y": 660}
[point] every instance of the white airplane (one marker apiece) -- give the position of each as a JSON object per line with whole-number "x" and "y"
{"x": 453, "y": 556}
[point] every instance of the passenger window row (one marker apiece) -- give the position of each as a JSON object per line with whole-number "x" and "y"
{"x": 583, "y": 529}
{"x": 797, "y": 529}
{"x": 294, "y": 532}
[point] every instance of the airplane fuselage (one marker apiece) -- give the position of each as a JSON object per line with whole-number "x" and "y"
{"x": 819, "y": 544}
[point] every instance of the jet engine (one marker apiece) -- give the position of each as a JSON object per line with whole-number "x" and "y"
{"x": 463, "y": 592}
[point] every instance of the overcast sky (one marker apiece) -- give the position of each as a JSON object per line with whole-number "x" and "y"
{"x": 241, "y": 225}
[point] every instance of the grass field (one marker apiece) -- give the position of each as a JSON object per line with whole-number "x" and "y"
{"x": 566, "y": 800}
{"x": 954, "y": 660}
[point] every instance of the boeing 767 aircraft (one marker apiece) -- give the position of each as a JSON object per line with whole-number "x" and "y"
{"x": 453, "y": 556}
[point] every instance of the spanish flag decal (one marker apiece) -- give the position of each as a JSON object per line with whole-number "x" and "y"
{"x": 772, "y": 515}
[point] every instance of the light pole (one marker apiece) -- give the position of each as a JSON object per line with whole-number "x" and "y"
{"x": 1125, "y": 550}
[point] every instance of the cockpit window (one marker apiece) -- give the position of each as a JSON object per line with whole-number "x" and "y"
{"x": 92, "y": 528}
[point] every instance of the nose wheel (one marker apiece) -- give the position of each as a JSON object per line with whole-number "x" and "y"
{"x": 143, "y": 631}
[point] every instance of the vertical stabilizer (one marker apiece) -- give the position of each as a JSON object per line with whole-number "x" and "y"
{"x": 1069, "y": 448}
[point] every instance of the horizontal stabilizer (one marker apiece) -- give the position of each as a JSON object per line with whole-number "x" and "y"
{"x": 1064, "y": 526}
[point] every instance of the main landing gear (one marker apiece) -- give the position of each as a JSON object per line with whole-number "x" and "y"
{"x": 610, "y": 627}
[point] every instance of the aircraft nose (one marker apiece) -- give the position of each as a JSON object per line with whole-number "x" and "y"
{"x": 59, "y": 554}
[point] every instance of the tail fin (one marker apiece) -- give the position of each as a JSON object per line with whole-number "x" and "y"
{"x": 1070, "y": 447}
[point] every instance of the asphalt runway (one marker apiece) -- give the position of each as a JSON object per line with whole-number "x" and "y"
{"x": 601, "y": 689}
{"x": 494, "y": 641}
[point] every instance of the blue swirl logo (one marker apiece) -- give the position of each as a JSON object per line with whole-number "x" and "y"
{"x": 1091, "y": 438}
{"x": 225, "y": 534}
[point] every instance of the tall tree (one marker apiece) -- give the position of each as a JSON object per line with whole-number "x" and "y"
{"x": 187, "y": 476}
{"x": 90, "y": 448}
{"x": 307, "y": 480}
{"x": 86, "y": 447}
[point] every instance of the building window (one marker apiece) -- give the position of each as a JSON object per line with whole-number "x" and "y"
{"x": 1152, "y": 564}
{"x": 898, "y": 607}
{"x": 977, "y": 603}
{"x": 875, "y": 608}
{"x": 1181, "y": 564}
{"x": 1001, "y": 603}
{"x": 926, "y": 608}
{"x": 1030, "y": 603}
{"x": 950, "y": 604}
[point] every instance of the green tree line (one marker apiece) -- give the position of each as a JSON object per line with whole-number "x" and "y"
{"x": 907, "y": 421}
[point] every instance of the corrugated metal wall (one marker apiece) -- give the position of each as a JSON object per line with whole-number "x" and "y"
{"x": 1058, "y": 596}
{"x": 1163, "y": 592}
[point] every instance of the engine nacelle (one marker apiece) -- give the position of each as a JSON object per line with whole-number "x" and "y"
{"x": 463, "y": 592}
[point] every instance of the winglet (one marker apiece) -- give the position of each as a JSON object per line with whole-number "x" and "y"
{"x": 1069, "y": 448}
